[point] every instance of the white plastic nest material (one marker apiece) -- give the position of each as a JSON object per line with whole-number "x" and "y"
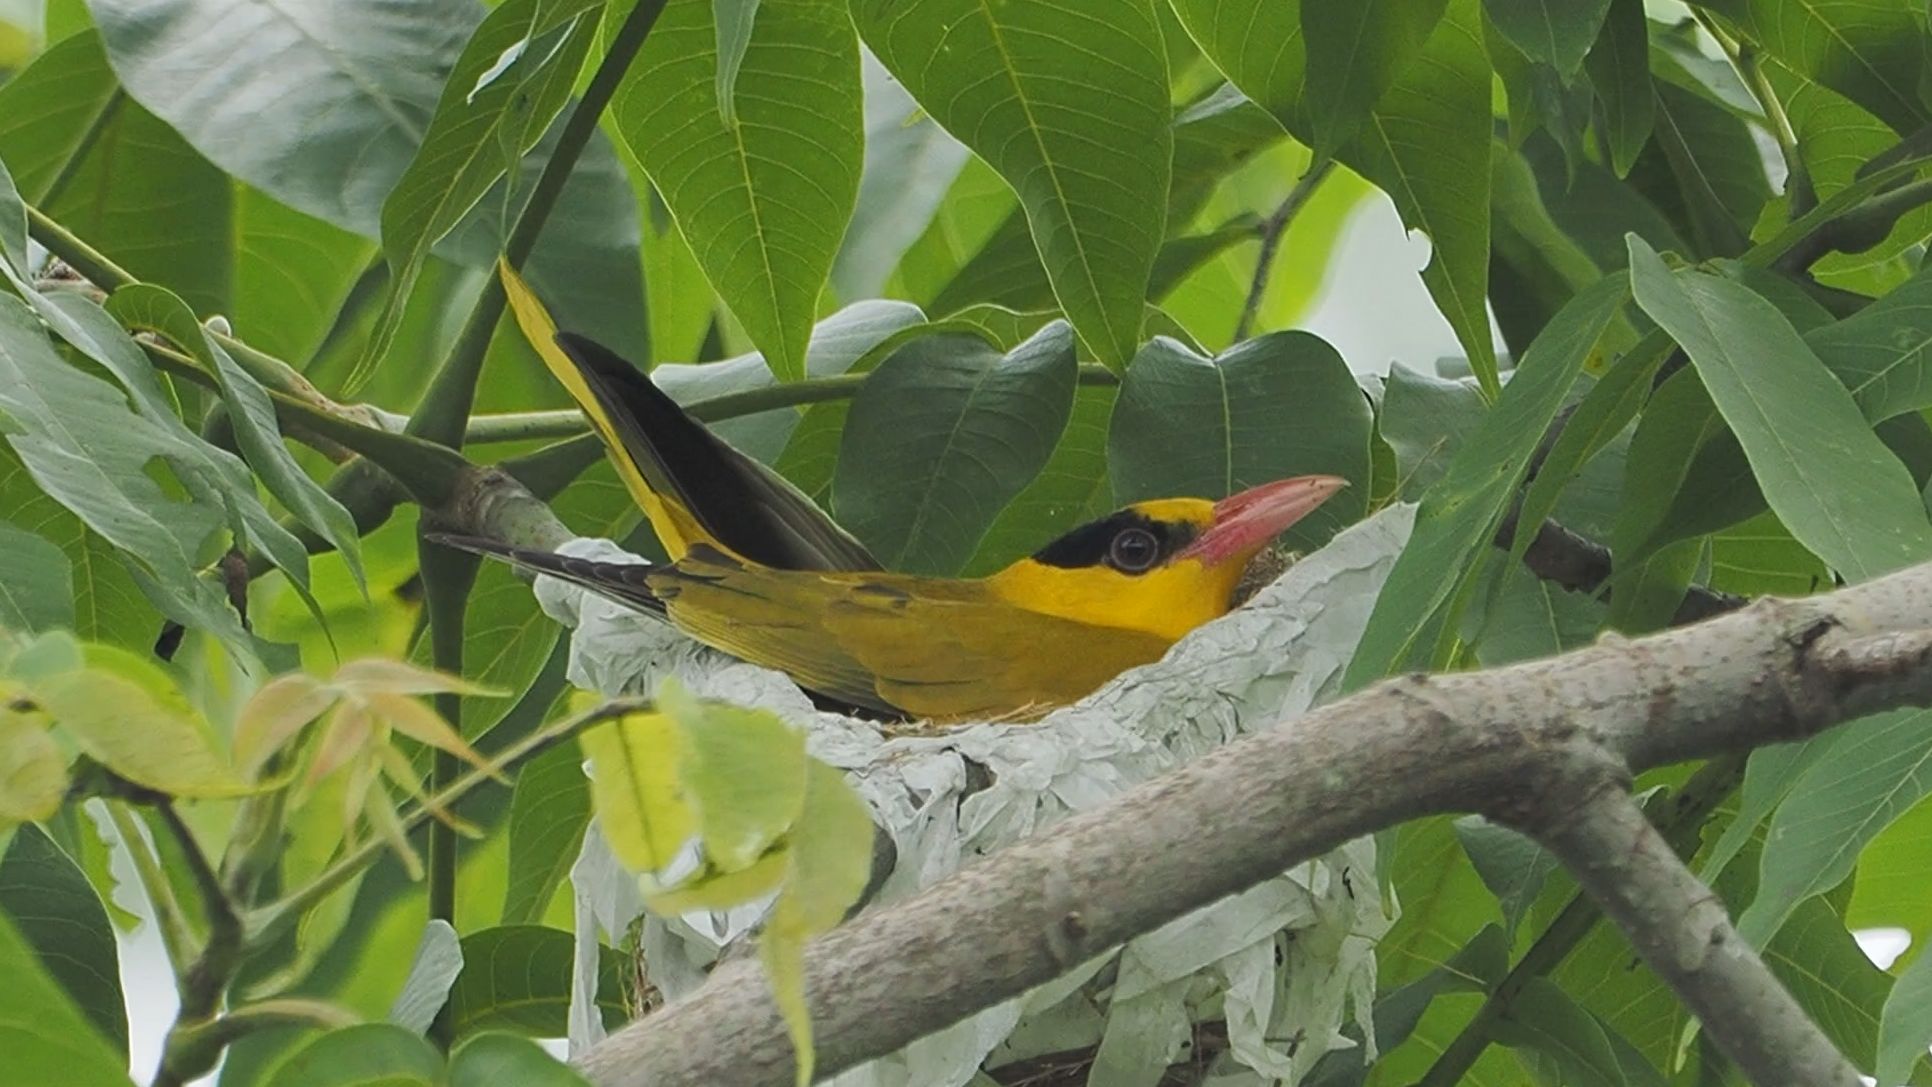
{"x": 1287, "y": 964}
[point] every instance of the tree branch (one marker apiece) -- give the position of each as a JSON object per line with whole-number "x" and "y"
{"x": 1271, "y": 234}
{"x": 1680, "y": 928}
{"x": 1490, "y": 742}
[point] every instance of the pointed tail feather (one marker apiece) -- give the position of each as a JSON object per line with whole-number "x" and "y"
{"x": 623, "y": 582}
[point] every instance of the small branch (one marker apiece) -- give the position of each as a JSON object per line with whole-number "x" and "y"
{"x": 240, "y": 1022}
{"x": 1494, "y": 742}
{"x": 169, "y": 920}
{"x": 444, "y": 409}
{"x": 447, "y": 579}
{"x": 1750, "y": 68}
{"x": 1681, "y": 929}
{"x": 1680, "y": 825}
{"x": 265, "y": 924}
{"x": 1582, "y": 565}
{"x": 1272, "y": 231}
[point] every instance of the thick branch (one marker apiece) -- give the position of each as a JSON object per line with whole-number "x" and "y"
{"x": 1681, "y": 929}
{"x": 1409, "y": 747}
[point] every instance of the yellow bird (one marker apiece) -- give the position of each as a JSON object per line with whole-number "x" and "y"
{"x": 759, "y": 572}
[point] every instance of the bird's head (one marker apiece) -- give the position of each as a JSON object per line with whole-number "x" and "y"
{"x": 1164, "y": 566}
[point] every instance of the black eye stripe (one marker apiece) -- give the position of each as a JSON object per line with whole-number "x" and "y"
{"x": 1091, "y": 544}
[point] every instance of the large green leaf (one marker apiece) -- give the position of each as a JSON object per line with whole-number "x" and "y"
{"x": 1546, "y": 1020}
{"x": 1619, "y": 69}
{"x": 1832, "y": 979}
{"x": 150, "y": 308}
{"x": 1355, "y": 51}
{"x": 512, "y": 77}
{"x": 107, "y": 605}
{"x": 368, "y": 1055}
{"x": 517, "y": 977}
{"x": 84, "y": 448}
{"x": 1279, "y": 405}
{"x": 36, "y": 581}
{"x": 1883, "y": 353}
{"x": 323, "y": 108}
{"x": 1553, "y": 32}
{"x": 1824, "y": 472}
{"x": 1070, "y": 489}
{"x": 111, "y": 171}
{"x": 1877, "y": 770}
{"x": 1425, "y": 420}
{"x": 1870, "y": 51}
{"x": 1426, "y": 143}
{"x": 763, "y": 200}
{"x": 293, "y": 273}
{"x": 1069, "y": 102}
{"x": 1704, "y": 170}
{"x": 1511, "y": 866}
{"x": 54, "y": 909}
{"x": 45, "y": 1038}
{"x": 501, "y": 1060}
{"x": 549, "y": 810}
{"x": 1459, "y": 515}
{"x": 1905, "y": 1026}
{"x": 942, "y": 436}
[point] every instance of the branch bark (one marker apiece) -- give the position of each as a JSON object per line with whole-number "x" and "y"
{"x": 1489, "y": 742}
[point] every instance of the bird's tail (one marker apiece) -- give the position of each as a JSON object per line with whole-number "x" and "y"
{"x": 623, "y": 582}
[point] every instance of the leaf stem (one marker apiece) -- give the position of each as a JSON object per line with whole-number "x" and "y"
{"x": 447, "y": 579}
{"x": 444, "y": 410}
{"x": 1272, "y": 231}
{"x": 169, "y": 920}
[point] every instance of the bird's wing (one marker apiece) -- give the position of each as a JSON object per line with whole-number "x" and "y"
{"x": 962, "y": 653}
{"x": 692, "y": 484}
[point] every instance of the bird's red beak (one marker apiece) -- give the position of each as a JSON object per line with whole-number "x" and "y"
{"x": 1245, "y": 522}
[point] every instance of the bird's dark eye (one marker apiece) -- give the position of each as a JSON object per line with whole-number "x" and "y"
{"x": 1134, "y": 551}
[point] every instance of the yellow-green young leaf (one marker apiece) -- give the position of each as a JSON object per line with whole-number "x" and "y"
{"x": 635, "y": 792}
{"x": 743, "y": 774}
{"x": 33, "y": 776}
{"x": 425, "y": 726}
{"x": 830, "y": 854}
{"x": 131, "y": 717}
{"x": 763, "y": 196}
{"x": 723, "y": 890}
{"x": 273, "y": 715}
{"x": 1068, "y": 101}
{"x": 377, "y": 675}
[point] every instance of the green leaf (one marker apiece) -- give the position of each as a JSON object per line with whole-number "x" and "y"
{"x": 1883, "y": 353}
{"x": 1828, "y": 477}
{"x": 84, "y": 448}
{"x": 1685, "y": 475}
{"x": 369, "y": 1055}
{"x": 144, "y": 306}
{"x": 1831, "y": 978}
{"x": 107, "y": 606}
{"x": 830, "y": 852}
{"x": 435, "y": 968}
{"x": 942, "y": 436}
{"x": 1511, "y": 866}
{"x": 112, "y": 172}
{"x": 293, "y": 274}
{"x": 1905, "y": 1026}
{"x": 1459, "y": 515}
{"x": 1553, "y": 32}
{"x": 512, "y": 77}
{"x": 1715, "y": 175}
{"x": 1619, "y": 69}
{"x": 503, "y": 1060}
{"x": 45, "y": 1038}
{"x": 33, "y": 771}
{"x": 1546, "y": 1020}
{"x": 1870, "y": 51}
{"x": 1425, "y": 420}
{"x": 517, "y": 977}
{"x": 1878, "y": 769}
{"x": 1279, "y": 405}
{"x": 763, "y": 200}
{"x": 735, "y": 20}
{"x": 130, "y": 716}
{"x": 244, "y": 84}
{"x": 549, "y": 810}
{"x": 1355, "y": 52}
{"x": 1071, "y": 488}
{"x": 743, "y": 772}
{"x": 36, "y": 582}
{"x": 54, "y": 910}
{"x": 1069, "y": 103}
{"x": 1525, "y": 617}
